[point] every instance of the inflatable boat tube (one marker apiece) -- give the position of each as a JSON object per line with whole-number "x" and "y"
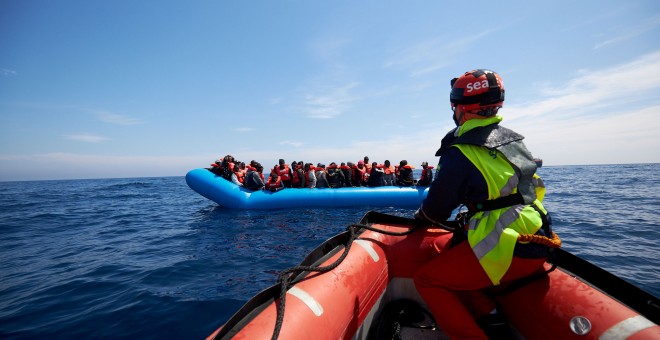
{"x": 353, "y": 285}
{"x": 229, "y": 195}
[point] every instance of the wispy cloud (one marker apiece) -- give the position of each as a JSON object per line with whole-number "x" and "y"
{"x": 608, "y": 115}
{"x": 117, "y": 119}
{"x": 592, "y": 91}
{"x": 330, "y": 52}
{"x": 332, "y": 103}
{"x": 244, "y": 129}
{"x": 428, "y": 56}
{"x": 85, "y": 137}
{"x": 7, "y": 72}
{"x": 292, "y": 143}
{"x": 631, "y": 33}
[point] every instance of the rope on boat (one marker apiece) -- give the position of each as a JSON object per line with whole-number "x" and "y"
{"x": 552, "y": 242}
{"x": 284, "y": 278}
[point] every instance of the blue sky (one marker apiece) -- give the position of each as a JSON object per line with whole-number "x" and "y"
{"x": 96, "y": 89}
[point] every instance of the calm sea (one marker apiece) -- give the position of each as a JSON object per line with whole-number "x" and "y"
{"x": 150, "y": 258}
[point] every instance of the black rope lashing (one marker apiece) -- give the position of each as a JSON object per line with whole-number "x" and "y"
{"x": 284, "y": 277}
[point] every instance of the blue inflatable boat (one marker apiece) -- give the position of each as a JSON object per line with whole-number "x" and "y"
{"x": 229, "y": 195}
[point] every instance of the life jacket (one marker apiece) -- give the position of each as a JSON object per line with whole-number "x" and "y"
{"x": 376, "y": 177}
{"x": 427, "y": 176}
{"x": 405, "y": 175}
{"x": 227, "y": 169}
{"x": 389, "y": 169}
{"x": 360, "y": 174}
{"x": 284, "y": 172}
{"x": 335, "y": 176}
{"x": 308, "y": 179}
{"x": 513, "y": 206}
{"x": 296, "y": 176}
{"x": 240, "y": 176}
{"x": 251, "y": 168}
{"x": 368, "y": 167}
{"x": 321, "y": 178}
{"x": 273, "y": 185}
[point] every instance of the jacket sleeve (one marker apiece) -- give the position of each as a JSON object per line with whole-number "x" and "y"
{"x": 258, "y": 180}
{"x": 457, "y": 181}
{"x": 234, "y": 180}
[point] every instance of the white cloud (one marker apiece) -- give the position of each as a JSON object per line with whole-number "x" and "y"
{"x": 85, "y": 137}
{"x": 330, "y": 52}
{"x": 428, "y": 56}
{"x": 117, "y": 119}
{"x": 332, "y": 103}
{"x": 244, "y": 129}
{"x": 292, "y": 143}
{"x": 593, "y": 92}
{"x": 7, "y": 72}
{"x": 63, "y": 165}
{"x": 631, "y": 33}
{"x": 601, "y": 116}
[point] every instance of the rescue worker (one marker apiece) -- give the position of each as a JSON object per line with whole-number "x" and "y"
{"x": 427, "y": 175}
{"x": 487, "y": 168}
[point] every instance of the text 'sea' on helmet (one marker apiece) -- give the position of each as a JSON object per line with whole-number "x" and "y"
{"x": 477, "y": 89}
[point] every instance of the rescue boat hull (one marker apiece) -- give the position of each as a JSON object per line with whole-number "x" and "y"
{"x": 348, "y": 300}
{"x": 229, "y": 195}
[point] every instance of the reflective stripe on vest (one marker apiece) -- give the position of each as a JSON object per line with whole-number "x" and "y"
{"x": 493, "y": 234}
{"x": 491, "y": 240}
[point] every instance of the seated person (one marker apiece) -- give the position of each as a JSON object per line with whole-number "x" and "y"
{"x": 274, "y": 182}
{"x": 254, "y": 177}
{"x": 427, "y": 175}
{"x": 405, "y": 178}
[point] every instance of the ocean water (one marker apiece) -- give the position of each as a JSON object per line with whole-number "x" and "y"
{"x": 150, "y": 258}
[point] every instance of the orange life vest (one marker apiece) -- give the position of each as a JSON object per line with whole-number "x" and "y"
{"x": 424, "y": 172}
{"x": 274, "y": 184}
{"x": 284, "y": 172}
{"x": 240, "y": 176}
{"x": 361, "y": 173}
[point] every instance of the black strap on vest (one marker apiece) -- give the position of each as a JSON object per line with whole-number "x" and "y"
{"x": 498, "y": 203}
{"x": 508, "y": 201}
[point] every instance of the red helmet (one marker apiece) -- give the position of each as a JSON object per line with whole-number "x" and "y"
{"x": 477, "y": 90}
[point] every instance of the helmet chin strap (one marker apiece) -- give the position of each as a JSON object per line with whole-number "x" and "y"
{"x": 458, "y": 119}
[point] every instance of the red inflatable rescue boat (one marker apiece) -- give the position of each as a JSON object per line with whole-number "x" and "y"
{"x": 359, "y": 285}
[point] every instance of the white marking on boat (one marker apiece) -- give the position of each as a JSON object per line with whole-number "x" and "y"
{"x": 307, "y": 299}
{"x": 627, "y": 328}
{"x": 367, "y": 245}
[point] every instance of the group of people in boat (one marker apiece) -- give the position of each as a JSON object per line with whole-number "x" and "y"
{"x": 307, "y": 175}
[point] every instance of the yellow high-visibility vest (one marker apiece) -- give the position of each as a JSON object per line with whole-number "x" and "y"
{"x": 493, "y": 234}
